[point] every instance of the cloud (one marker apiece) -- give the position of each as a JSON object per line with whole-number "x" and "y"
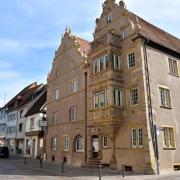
{"x": 4, "y": 75}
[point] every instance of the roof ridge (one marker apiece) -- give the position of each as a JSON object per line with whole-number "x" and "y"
{"x": 160, "y": 29}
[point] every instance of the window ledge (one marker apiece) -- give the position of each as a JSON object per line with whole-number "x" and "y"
{"x": 169, "y": 148}
{"x": 166, "y": 107}
{"x": 79, "y": 151}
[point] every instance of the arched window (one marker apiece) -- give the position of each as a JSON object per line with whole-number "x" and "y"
{"x": 79, "y": 144}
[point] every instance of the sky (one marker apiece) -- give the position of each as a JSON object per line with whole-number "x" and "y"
{"x": 31, "y": 31}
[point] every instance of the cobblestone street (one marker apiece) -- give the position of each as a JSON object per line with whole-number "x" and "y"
{"x": 14, "y": 168}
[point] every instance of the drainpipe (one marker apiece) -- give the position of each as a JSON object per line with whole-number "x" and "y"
{"x": 151, "y": 121}
{"x": 85, "y": 120}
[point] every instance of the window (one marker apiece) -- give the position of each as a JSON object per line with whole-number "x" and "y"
{"x": 66, "y": 143}
{"x": 74, "y": 86}
{"x": 124, "y": 34}
{"x": 117, "y": 97}
{"x": 102, "y": 99}
{"x": 96, "y": 100}
{"x": 169, "y": 138}
{"x": 136, "y": 137}
{"x": 55, "y": 94}
{"x": 133, "y": 96}
{"x": 131, "y": 60}
{"x": 112, "y": 97}
{"x": 21, "y": 113}
{"x": 165, "y": 98}
{"x": 116, "y": 62}
{"x": 32, "y": 123}
{"x": 79, "y": 142}
{"x": 57, "y": 73}
{"x": 20, "y": 127}
{"x": 109, "y": 18}
{"x": 53, "y": 143}
{"x": 103, "y": 63}
{"x": 173, "y": 67}
{"x": 105, "y": 141}
{"x": 54, "y": 118}
{"x": 73, "y": 113}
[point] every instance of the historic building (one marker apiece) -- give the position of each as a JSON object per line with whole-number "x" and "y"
{"x": 3, "y": 118}
{"x": 114, "y": 101}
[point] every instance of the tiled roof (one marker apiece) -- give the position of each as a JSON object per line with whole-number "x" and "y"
{"x": 155, "y": 34}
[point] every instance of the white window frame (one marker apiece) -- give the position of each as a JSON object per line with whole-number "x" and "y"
{"x": 74, "y": 86}
{"x": 124, "y": 34}
{"x": 66, "y": 143}
{"x": 117, "y": 100}
{"x": 132, "y": 97}
{"x": 73, "y": 113}
{"x": 165, "y": 97}
{"x": 131, "y": 63}
{"x": 137, "y": 137}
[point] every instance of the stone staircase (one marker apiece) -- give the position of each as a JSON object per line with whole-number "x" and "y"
{"x": 94, "y": 163}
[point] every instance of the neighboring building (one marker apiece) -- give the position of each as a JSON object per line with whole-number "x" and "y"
{"x": 3, "y": 120}
{"x": 34, "y": 134}
{"x": 65, "y": 97}
{"x": 104, "y": 107}
{"x": 28, "y": 99}
{"x": 12, "y": 120}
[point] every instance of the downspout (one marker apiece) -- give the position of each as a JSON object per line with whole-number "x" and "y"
{"x": 153, "y": 127}
{"x": 85, "y": 122}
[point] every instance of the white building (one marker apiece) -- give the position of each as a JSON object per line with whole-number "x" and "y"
{"x": 3, "y": 119}
{"x": 34, "y": 135}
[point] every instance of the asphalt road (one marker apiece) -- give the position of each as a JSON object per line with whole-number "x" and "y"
{"x": 14, "y": 169}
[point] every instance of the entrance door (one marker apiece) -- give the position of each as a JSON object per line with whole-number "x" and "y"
{"x": 95, "y": 146}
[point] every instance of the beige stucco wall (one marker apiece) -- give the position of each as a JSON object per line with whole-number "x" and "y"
{"x": 159, "y": 76}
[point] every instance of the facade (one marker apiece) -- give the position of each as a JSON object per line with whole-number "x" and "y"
{"x": 65, "y": 102}
{"x": 34, "y": 133}
{"x": 3, "y": 119}
{"x": 116, "y": 102}
{"x": 15, "y": 121}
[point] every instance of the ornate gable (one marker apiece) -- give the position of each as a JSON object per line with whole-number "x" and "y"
{"x": 108, "y": 5}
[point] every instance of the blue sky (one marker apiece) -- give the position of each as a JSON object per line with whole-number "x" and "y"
{"x": 30, "y": 32}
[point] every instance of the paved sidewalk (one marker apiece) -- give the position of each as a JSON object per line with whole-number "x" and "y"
{"x": 15, "y": 169}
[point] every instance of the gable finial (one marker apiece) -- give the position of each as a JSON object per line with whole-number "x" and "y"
{"x": 122, "y": 4}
